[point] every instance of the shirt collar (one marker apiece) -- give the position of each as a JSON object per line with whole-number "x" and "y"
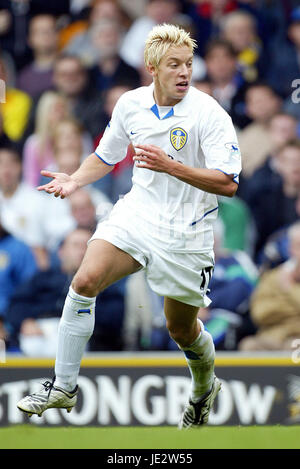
{"x": 147, "y": 101}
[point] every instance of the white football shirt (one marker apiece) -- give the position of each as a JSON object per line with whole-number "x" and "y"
{"x": 196, "y": 132}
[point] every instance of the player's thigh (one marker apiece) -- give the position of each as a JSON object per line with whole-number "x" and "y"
{"x": 102, "y": 265}
{"x": 180, "y": 316}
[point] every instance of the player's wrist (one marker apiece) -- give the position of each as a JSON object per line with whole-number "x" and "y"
{"x": 174, "y": 168}
{"x": 77, "y": 182}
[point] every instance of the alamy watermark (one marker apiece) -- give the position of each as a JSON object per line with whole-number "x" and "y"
{"x": 2, "y": 91}
{"x": 2, "y": 351}
{"x": 296, "y": 93}
{"x": 296, "y": 351}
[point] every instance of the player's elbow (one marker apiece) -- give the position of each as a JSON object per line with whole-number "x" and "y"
{"x": 227, "y": 184}
{"x": 230, "y": 189}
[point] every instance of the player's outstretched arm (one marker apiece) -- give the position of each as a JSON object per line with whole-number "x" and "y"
{"x": 62, "y": 185}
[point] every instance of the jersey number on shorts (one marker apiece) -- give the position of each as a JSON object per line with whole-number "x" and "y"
{"x": 206, "y": 274}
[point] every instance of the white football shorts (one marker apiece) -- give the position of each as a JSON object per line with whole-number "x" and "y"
{"x": 183, "y": 276}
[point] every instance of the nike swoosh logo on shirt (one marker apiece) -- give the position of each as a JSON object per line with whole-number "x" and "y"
{"x": 133, "y": 133}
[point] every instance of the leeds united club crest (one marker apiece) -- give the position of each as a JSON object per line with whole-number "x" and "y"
{"x": 178, "y": 138}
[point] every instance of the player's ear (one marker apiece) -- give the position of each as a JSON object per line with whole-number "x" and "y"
{"x": 152, "y": 70}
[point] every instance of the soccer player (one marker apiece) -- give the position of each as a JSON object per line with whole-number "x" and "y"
{"x": 186, "y": 152}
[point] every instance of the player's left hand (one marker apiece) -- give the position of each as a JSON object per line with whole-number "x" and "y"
{"x": 152, "y": 157}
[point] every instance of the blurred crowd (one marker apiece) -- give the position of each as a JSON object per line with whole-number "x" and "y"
{"x": 63, "y": 66}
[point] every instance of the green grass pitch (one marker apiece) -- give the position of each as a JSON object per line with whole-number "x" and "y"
{"x": 238, "y": 437}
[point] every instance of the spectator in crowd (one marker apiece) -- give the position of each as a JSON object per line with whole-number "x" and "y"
{"x": 110, "y": 97}
{"x": 110, "y": 10}
{"x": 118, "y": 182}
{"x": 22, "y": 207}
{"x": 156, "y": 12}
{"x": 204, "y": 85}
{"x": 17, "y": 264}
{"x": 70, "y": 143}
{"x": 284, "y": 64}
{"x": 275, "y": 304}
{"x": 227, "y": 83}
{"x": 289, "y": 169}
{"x": 273, "y": 19}
{"x": 134, "y": 8}
{"x": 38, "y": 150}
{"x": 262, "y": 103}
{"x": 40, "y": 298}
{"x": 72, "y": 80}
{"x": 84, "y": 209}
{"x": 240, "y": 29}
{"x": 67, "y": 144}
{"x": 239, "y": 229}
{"x": 16, "y": 108}
{"x": 81, "y": 44}
{"x": 68, "y": 134}
{"x": 231, "y": 285}
{"x": 207, "y": 17}
{"x": 67, "y": 160}
{"x": 35, "y": 308}
{"x": 36, "y": 77}
{"x": 15, "y": 17}
{"x": 273, "y": 203}
{"x": 88, "y": 206}
{"x": 282, "y": 128}
{"x": 110, "y": 69}
{"x": 144, "y": 321}
{"x": 276, "y": 249}
{"x": 199, "y": 67}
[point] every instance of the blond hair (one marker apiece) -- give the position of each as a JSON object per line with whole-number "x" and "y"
{"x": 161, "y": 38}
{"x": 45, "y": 105}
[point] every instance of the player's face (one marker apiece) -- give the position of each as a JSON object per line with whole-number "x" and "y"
{"x": 172, "y": 78}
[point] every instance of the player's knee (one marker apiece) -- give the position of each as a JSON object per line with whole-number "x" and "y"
{"x": 181, "y": 334}
{"x": 86, "y": 284}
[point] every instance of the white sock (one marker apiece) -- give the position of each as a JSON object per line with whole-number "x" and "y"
{"x": 200, "y": 356}
{"x": 75, "y": 328}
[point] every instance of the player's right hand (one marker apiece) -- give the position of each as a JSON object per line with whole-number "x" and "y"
{"x": 62, "y": 185}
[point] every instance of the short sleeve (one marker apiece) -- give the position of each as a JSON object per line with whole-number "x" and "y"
{"x": 219, "y": 143}
{"x": 113, "y": 145}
